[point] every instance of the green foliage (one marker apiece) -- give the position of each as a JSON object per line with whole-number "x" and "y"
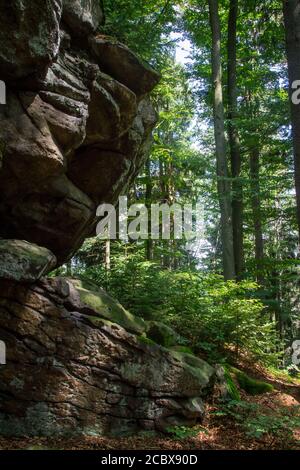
{"x": 231, "y": 386}
{"x": 250, "y": 385}
{"x": 145, "y": 340}
{"x": 180, "y": 433}
{"x": 257, "y": 423}
{"x": 284, "y": 375}
{"x": 183, "y": 349}
{"x": 144, "y": 26}
{"x": 282, "y": 425}
{"x": 220, "y": 318}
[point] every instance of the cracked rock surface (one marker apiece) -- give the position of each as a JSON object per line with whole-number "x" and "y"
{"x": 74, "y": 132}
{"x": 70, "y": 371}
{"x": 77, "y": 124}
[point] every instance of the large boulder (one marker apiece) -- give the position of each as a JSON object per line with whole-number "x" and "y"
{"x": 74, "y": 132}
{"x": 71, "y": 372}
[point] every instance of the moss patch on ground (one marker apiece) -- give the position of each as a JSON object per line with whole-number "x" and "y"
{"x": 250, "y": 385}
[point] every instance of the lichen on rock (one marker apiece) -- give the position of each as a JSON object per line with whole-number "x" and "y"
{"x": 75, "y": 131}
{"x": 23, "y": 261}
{"x": 69, "y": 374}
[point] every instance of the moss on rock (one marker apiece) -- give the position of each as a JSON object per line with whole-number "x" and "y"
{"x": 99, "y": 322}
{"x": 183, "y": 349}
{"x": 250, "y": 385}
{"x": 98, "y": 301}
{"x": 199, "y": 368}
{"x": 23, "y": 261}
{"x": 162, "y": 334}
{"x": 145, "y": 340}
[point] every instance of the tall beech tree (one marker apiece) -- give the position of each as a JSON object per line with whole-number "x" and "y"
{"x": 224, "y": 187}
{"x": 291, "y": 11}
{"x": 234, "y": 141}
{"x": 256, "y": 209}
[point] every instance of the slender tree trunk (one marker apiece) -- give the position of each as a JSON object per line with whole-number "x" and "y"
{"x": 107, "y": 255}
{"x": 234, "y": 142}
{"x": 149, "y": 241}
{"x": 222, "y": 171}
{"x": 171, "y": 200}
{"x": 256, "y": 210}
{"x": 163, "y": 199}
{"x": 69, "y": 268}
{"x": 291, "y": 10}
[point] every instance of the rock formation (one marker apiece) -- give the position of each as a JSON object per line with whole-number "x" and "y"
{"x": 77, "y": 124}
{"x": 74, "y": 132}
{"x": 71, "y": 371}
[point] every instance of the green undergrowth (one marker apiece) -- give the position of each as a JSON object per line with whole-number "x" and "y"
{"x": 145, "y": 340}
{"x": 284, "y": 376}
{"x": 281, "y": 424}
{"x": 232, "y": 389}
{"x": 249, "y": 385}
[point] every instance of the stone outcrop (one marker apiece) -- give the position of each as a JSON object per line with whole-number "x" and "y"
{"x": 77, "y": 124}
{"x": 74, "y": 132}
{"x": 71, "y": 371}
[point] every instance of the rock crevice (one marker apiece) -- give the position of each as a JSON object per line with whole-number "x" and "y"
{"x": 77, "y": 124}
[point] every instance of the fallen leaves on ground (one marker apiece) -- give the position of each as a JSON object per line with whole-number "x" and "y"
{"x": 217, "y": 432}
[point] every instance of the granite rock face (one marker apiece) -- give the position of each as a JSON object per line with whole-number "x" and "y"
{"x": 70, "y": 371}
{"x": 77, "y": 124}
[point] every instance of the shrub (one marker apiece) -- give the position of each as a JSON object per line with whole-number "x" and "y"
{"x": 280, "y": 424}
{"x": 217, "y": 317}
{"x": 231, "y": 387}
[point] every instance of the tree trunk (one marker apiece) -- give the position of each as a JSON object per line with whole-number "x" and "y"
{"x": 149, "y": 241}
{"x": 69, "y": 268}
{"x": 234, "y": 143}
{"x": 256, "y": 210}
{"x": 107, "y": 255}
{"x": 291, "y": 11}
{"x": 219, "y": 122}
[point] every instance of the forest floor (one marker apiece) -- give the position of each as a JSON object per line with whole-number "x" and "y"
{"x": 217, "y": 432}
